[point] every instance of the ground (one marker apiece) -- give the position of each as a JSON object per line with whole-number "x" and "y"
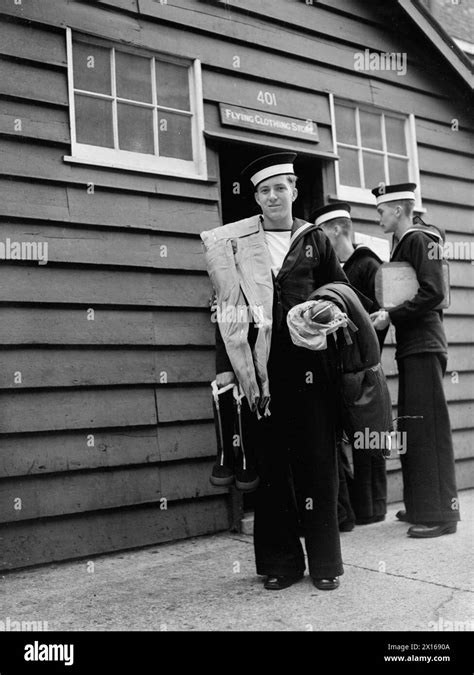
{"x": 391, "y": 582}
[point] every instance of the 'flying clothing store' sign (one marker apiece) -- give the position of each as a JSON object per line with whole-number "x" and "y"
{"x": 270, "y": 123}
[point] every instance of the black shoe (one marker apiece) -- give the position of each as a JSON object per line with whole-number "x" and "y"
{"x": 222, "y": 475}
{"x": 369, "y": 521}
{"x": 278, "y": 583}
{"x": 326, "y": 584}
{"x": 346, "y": 526}
{"x": 402, "y": 515}
{"x": 246, "y": 480}
{"x": 430, "y": 530}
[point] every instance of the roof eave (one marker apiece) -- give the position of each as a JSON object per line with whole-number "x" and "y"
{"x": 433, "y": 31}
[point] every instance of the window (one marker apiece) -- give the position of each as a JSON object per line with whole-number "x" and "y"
{"x": 134, "y": 110}
{"x": 373, "y": 147}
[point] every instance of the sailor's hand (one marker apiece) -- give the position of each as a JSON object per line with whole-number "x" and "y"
{"x": 380, "y": 320}
{"x": 223, "y": 379}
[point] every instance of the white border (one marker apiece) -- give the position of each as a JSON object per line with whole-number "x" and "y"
{"x": 413, "y": 164}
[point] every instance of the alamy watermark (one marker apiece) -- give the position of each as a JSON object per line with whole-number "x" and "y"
{"x": 37, "y": 651}
{"x": 451, "y": 250}
{"x": 444, "y": 625}
{"x": 228, "y": 313}
{"x": 367, "y": 61}
{"x": 24, "y": 250}
{"x": 391, "y": 442}
{"x": 12, "y": 625}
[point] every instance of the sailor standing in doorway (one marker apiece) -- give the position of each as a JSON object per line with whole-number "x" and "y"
{"x": 296, "y": 444}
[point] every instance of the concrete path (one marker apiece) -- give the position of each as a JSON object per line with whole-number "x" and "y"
{"x": 391, "y": 582}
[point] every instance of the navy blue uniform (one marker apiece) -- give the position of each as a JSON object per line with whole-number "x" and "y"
{"x": 296, "y": 445}
{"x": 429, "y": 483}
{"x": 363, "y": 496}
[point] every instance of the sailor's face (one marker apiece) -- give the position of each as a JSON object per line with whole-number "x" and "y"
{"x": 388, "y": 217}
{"x": 275, "y": 197}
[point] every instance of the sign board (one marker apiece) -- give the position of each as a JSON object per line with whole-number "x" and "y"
{"x": 269, "y": 123}
{"x": 396, "y": 283}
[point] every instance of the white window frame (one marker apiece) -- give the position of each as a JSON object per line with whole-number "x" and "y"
{"x": 362, "y": 195}
{"x": 83, "y": 153}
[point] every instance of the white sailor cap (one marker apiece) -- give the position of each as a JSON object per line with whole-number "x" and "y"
{"x": 325, "y": 213}
{"x": 392, "y": 193}
{"x": 276, "y": 164}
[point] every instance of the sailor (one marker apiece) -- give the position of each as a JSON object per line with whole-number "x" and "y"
{"x": 296, "y": 443}
{"x": 429, "y": 482}
{"x": 363, "y": 493}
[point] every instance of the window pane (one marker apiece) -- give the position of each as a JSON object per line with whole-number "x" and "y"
{"x": 94, "y": 121}
{"x": 175, "y": 135}
{"x": 349, "y": 167}
{"x": 135, "y": 128}
{"x": 345, "y": 125}
{"x": 172, "y": 85}
{"x": 398, "y": 170}
{"x": 371, "y": 130}
{"x": 91, "y": 67}
{"x": 373, "y": 169}
{"x": 133, "y": 74}
{"x": 395, "y": 132}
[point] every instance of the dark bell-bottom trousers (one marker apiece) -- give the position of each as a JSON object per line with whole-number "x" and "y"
{"x": 368, "y": 487}
{"x": 429, "y": 482}
{"x": 363, "y": 491}
{"x": 299, "y": 485}
{"x": 345, "y": 512}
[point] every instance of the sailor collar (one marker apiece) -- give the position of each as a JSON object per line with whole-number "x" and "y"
{"x": 416, "y": 229}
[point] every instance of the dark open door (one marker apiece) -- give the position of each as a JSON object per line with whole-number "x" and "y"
{"x": 238, "y": 200}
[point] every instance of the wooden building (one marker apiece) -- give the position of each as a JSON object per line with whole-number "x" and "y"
{"x": 123, "y": 127}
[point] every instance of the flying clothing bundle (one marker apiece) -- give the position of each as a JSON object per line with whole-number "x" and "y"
{"x": 311, "y": 322}
{"x": 364, "y": 400}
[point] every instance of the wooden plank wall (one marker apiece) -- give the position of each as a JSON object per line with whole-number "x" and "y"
{"x": 104, "y": 377}
{"x": 136, "y": 377}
